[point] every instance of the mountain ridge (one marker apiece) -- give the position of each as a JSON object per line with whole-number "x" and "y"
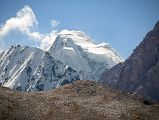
{"x": 73, "y": 56}
{"x": 27, "y": 68}
{"x": 139, "y": 73}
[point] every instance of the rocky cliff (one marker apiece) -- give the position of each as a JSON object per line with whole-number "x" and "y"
{"x": 140, "y": 72}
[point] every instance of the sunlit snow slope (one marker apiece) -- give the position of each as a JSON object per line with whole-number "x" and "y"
{"x": 76, "y": 49}
{"x": 32, "y": 69}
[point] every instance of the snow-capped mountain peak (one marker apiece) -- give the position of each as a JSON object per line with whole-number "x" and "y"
{"x": 74, "y": 33}
{"x": 73, "y": 56}
{"x": 77, "y": 50}
{"x": 26, "y": 68}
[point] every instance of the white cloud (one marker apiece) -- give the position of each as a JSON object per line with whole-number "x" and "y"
{"x": 23, "y": 22}
{"x": 48, "y": 39}
{"x": 54, "y": 23}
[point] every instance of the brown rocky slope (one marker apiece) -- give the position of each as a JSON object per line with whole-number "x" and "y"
{"x": 140, "y": 72}
{"x": 81, "y": 100}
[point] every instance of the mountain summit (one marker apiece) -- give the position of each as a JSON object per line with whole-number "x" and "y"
{"x": 140, "y": 72}
{"x": 76, "y": 49}
{"x": 73, "y": 56}
{"x": 24, "y": 68}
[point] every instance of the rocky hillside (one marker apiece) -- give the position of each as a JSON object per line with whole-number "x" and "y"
{"x": 77, "y": 50}
{"x": 81, "y": 100}
{"x": 24, "y": 68}
{"x": 140, "y": 72}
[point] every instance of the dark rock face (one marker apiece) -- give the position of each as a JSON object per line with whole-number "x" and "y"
{"x": 1, "y": 54}
{"x": 140, "y": 72}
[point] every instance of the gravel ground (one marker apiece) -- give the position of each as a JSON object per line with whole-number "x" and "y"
{"x": 81, "y": 100}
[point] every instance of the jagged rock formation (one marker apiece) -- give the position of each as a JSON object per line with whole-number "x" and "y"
{"x": 77, "y": 50}
{"x": 82, "y": 100}
{"x": 26, "y": 68}
{"x": 140, "y": 72}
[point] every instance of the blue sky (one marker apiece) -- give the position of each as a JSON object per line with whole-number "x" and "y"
{"x": 121, "y": 23}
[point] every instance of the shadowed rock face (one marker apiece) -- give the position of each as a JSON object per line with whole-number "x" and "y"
{"x": 140, "y": 72}
{"x": 1, "y": 54}
{"x": 81, "y": 100}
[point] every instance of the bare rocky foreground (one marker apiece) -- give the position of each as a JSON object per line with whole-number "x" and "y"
{"x": 82, "y": 100}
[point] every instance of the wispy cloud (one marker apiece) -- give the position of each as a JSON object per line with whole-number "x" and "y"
{"x": 24, "y": 21}
{"x": 48, "y": 40}
{"x": 54, "y": 23}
